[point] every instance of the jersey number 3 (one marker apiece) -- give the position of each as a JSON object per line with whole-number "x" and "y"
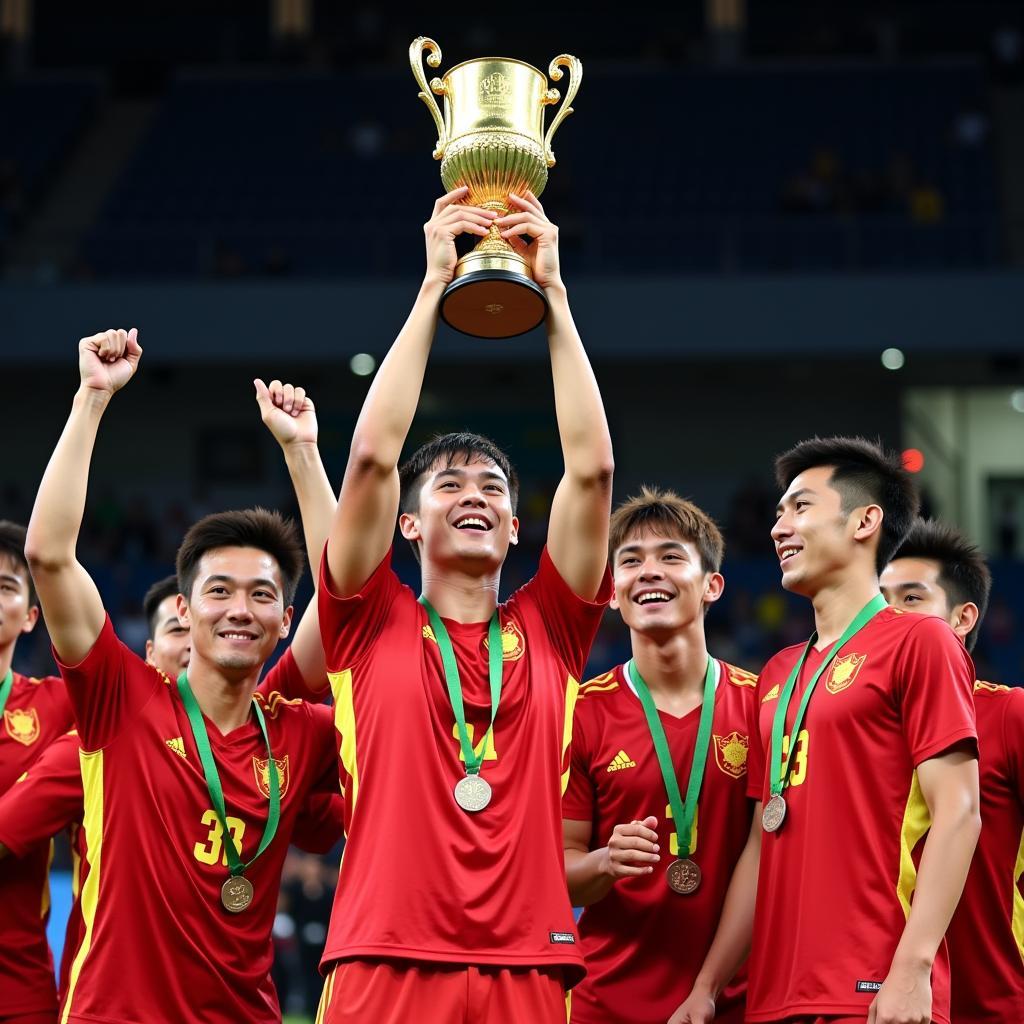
{"x": 213, "y": 849}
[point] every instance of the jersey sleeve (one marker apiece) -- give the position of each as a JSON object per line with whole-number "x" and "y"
{"x": 935, "y": 690}
{"x": 45, "y": 800}
{"x": 286, "y": 679}
{"x": 1013, "y": 740}
{"x": 570, "y": 621}
{"x": 580, "y": 798}
{"x": 321, "y": 823}
{"x": 755, "y": 748}
{"x": 349, "y": 626}
{"x": 107, "y": 688}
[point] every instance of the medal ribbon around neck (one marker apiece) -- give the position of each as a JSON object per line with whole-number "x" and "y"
{"x": 5, "y": 689}
{"x": 454, "y": 683}
{"x": 780, "y": 780}
{"x": 195, "y": 718}
{"x": 682, "y": 813}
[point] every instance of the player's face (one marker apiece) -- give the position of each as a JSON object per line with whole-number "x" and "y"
{"x": 170, "y": 646}
{"x": 660, "y": 584}
{"x": 813, "y": 536}
{"x": 16, "y": 616}
{"x": 236, "y": 610}
{"x": 913, "y": 585}
{"x": 464, "y": 519}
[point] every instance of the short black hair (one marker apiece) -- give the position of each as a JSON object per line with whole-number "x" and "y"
{"x": 155, "y": 596}
{"x": 864, "y": 473}
{"x": 963, "y": 572}
{"x": 12, "y": 547}
{"x": 243, "y": 528}
{"x": 459, "y": 449}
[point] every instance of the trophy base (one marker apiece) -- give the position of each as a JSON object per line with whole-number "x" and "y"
{"x": 493, "y": 304}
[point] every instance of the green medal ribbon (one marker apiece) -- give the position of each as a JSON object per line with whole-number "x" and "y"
{"x": 780, "y": 781}
{"x": 195, "y": 718}
{"x": 682, "y": 813}
{"x": 454, "y": 683}
{"x": 5, "y": 689}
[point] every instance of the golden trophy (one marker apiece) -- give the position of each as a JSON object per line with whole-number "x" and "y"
{"x": 491, "y": 139}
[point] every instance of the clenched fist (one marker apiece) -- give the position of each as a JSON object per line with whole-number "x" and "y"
{"x": 107, "y": 361}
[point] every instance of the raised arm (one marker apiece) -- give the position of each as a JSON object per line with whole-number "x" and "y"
{"x": 70, "y": 601}
{"x": 578, "y": 527}
{"x": 289, "y": 415}
{"x": 364, "y": 521}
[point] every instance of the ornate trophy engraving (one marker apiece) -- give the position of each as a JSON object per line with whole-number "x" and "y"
{"x": 491, "y": 139}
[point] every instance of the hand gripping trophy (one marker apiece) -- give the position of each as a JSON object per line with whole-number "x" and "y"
{"x": 491, "y": 139}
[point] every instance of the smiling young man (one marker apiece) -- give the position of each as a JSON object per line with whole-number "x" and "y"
{"x": 656, "y": 811}
{"x": 193, "y": 788}
{"x": 938, "y": 571}
{"x": 870, "y": 789}
{"x": 455, "y": 712}
{"x": 33, "y": 713}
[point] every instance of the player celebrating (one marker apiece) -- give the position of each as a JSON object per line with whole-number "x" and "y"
{"x": 937, "y": 571}
{"x": 672, "y": 720}
{"x": 33, "y": 712}
{"x": 192, "y": 789}
{"x": 455, "y": 713}
{"x": 870, "y": 789}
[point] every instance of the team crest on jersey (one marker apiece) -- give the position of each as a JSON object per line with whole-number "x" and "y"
{"x": 731, "y": 754}
{"x": 843, "y": 672}
{"x": 259, "y": 767}
{"x": 22, "y": 725}
{"x": 772, "y": 694}
{"x": 513, "y": 643}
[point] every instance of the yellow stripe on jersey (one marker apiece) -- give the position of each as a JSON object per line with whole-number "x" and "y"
{"x": 325, "y": 996}
{"x": 1018, "y": 901}
{"x": 92, "y": 784}
{"x": 345, "y": 723}
{"x": 44, "y": 907}
{"x": 917, "y": 819}
{"x": 572, "y": 692}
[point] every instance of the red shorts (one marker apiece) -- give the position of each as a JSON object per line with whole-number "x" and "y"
{"x": 386, "y": 991}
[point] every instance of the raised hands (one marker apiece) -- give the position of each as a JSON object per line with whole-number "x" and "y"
{"x": 449, "y": 220}
{"x": 288, "y": 412}
{"x": 632, "y": 849}
{"x": 107, "y": 361}
{"x": 528, "y": 218}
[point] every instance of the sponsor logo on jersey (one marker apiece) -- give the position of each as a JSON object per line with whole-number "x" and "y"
{"x": 22, "y": 725}
{"x": 731, "y": 754}
{"x": 620, "y": 761}
{"x": 177, "y": 744}
{"x": 772, "y": 694}
{"x": 843, "y": 672}
{"x": 869, "y": 986}
{"x": 513, "y": 643}
{"x": 562, "y": 938}
{"x": 260, "y": 769}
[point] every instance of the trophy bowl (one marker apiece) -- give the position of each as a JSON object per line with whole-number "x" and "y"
{"x": 491, "y": 139}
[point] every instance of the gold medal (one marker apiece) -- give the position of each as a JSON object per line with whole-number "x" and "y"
{"x": 472, "y": 793}
{"x": 683, "y": 876}
{"x": 773, "y": 814}
{"x": 236, "y": 894}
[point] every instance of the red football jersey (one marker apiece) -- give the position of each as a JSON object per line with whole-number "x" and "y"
{"x": 157, "y": 944}
{"x": 639, "y": 969}
{"x": 986, "y": 935}
{"x": 421, "y": 878}
{"x": 836, "y": 880}
{"x": 37, "y": 712}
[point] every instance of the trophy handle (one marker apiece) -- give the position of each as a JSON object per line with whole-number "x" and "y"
{"x": 419, "y": 44}
{"x": 575, "y": 66}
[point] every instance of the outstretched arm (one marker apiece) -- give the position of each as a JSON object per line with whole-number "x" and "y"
{"x": 364, "y": 521}
{"x": 289, "y": 415}
{"x": 70, "y": 601}
{"x": 578, "y": 527}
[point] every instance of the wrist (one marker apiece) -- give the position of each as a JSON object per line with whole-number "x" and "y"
{"x": 433, "y": 287}
{"x": 91, "y": 399}
{"x": 556, "y": 291}
{"x": 911, "y": 961}
{"x": 299, "y": 451}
